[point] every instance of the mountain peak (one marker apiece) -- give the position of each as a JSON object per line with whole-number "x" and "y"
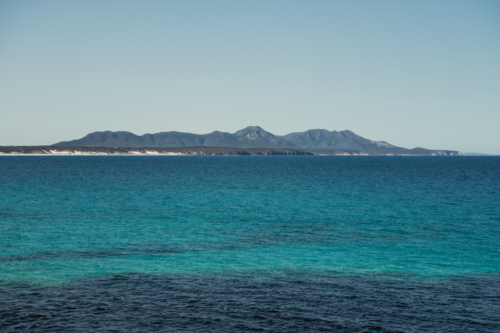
{"x": 254, "y": 128}
{"x": 253, "y": 132}
{"x": 256, "y": 136}
{"x": 250, "y": 129}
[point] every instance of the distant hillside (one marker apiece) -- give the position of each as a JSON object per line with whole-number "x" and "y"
{"x": 318, "y": 141}
{"x": 322, "y": 141}
{"x": 250, "y": 137}
{"x": 343, "y": 140}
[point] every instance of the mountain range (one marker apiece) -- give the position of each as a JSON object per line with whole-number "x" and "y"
{"x": 318, "y": 141}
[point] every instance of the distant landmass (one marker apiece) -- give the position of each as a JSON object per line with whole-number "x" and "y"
{"x": 61, "y": 150}
{"x": 317, "y": 141}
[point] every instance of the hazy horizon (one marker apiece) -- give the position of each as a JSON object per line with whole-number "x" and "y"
{"x": 414, "y": 74}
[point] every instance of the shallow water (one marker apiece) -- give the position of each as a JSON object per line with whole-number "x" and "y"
{"x": 279, "y": 243}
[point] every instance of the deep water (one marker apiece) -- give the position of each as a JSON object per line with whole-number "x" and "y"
{"x": 241, "y": 243}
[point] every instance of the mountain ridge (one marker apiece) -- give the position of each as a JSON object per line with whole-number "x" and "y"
{"x": 319, "y": 141}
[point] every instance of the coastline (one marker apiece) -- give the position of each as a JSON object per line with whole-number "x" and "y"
{"x": 123, "y": 151}
{"x": 191, "y": 151}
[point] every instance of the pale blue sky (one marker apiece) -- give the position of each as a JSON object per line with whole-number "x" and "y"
{"x": 413, "y": 73}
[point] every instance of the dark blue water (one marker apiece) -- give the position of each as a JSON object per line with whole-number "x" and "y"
{"x": 224, "y": 244}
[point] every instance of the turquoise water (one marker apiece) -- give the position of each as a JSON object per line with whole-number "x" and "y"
{"x": 66, "y": 218}
{"x": 245, "y": 243}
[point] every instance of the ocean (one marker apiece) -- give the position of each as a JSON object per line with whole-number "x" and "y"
{"x": 249, "y": 243}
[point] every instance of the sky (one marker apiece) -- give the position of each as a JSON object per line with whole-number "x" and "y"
{"x": 413, "y": 73}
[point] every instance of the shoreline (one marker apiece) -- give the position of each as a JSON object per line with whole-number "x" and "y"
{"x": 124, "y": 151}
{"x": 318, "y": 155}
{"x": 187, "y": 151}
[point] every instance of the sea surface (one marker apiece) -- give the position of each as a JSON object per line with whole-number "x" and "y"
{"x": 249, "y": 243}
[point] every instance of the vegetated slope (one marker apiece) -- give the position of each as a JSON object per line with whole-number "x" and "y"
{"x": 323, "y": 141}
{"x": 250, "y": 137}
